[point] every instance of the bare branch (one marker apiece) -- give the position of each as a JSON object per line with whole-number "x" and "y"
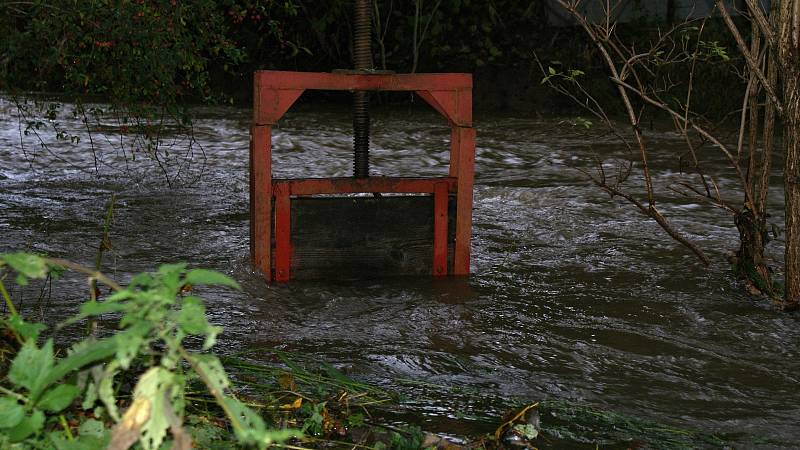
{"x": 696, "y": 127}
{"x": 650, "y": 209}
{"x": 768, "y": 135}
{"x": 755, "y": 10}
{"x": 683, "y": 127}
{"x": 716, "y": 202}
{"x": 623, "y": 94}
{"x": 752, "y": 63}
{"x": 743, "y": 119}
{"x": 652, "y": 212}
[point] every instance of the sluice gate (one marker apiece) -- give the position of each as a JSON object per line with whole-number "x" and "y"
{"x": 315, "y": 228}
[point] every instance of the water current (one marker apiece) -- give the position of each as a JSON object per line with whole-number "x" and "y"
{"x": 573, "y": 295}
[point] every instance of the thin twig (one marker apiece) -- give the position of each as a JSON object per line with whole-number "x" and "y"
{"x": 705, "y": 133}
{"x": 85, "y": 270}
{"x": 752, "y": 64}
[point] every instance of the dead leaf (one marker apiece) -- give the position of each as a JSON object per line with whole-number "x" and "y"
{"x": 294, "y": 405}
{"x": 286, "y": 381}
{"x": 126, "y": 432}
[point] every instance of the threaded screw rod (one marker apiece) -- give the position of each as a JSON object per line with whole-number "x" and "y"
{"x": 362, "y": 60}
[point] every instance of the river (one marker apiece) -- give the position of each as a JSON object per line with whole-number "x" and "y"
{"x": 573, "y": 295}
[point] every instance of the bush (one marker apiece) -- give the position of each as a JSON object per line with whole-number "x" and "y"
{"x": 155, "y": 319}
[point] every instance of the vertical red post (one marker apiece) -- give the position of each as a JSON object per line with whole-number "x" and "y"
{"x": 455, "y": 147}
{"x": 465, "y": 173}
{"x": 251, "y": 198}
{"x": 440, "y": 197}
{"x": 261, "y": 198}
{"x": 283, "y": 244}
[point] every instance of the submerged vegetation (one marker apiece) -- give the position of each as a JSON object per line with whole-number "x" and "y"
{"x": 151, "y": 381}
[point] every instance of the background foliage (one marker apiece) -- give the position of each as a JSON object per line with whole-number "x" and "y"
{"x": 168, "y": 52}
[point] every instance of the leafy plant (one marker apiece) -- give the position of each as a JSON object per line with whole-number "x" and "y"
{"x": 570, "y": 75}
{"x": 155, "y": 319}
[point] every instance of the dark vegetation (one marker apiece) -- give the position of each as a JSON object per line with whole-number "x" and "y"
{"x": 156, "y": 53}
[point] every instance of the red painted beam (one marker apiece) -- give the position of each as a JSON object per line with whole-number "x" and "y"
{"x": 465, "y": 167}
{"x": 448, "y": 93}
{"x": 385, "y": 185}
{"x": 455, "y": 106}
{"x": 363, "y": 82}
{"x": 283, "y": 244}
{"x": 440, "y": 198}
{"x": 261, "y": 198}
{"x": 271, "y": 104}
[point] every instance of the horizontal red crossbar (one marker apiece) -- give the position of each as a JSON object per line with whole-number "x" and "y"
{"x": 385, "y": 185}
{"x": 346, "y": 81}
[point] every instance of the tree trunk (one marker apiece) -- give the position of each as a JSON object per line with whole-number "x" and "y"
{"x": 749, "y": 264}
{"x": 791, "y": 176}
{"x": 789, "y": 51}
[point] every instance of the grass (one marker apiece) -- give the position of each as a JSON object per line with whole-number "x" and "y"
{"x": 336, "y": 411}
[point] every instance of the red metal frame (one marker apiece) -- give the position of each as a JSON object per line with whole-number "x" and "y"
{"x": 448, "y": 93}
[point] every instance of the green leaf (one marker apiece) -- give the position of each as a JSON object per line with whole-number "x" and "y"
{"x": 105, "y": 390}
{"x": 21, "y": 280}
{"x": 211, "y": 337}
{"x": 82, "y": 355}
{"x": 11, "y": 412}
{"x": 28, "y": 331}
{"x": 130, "y": 341}
{"x": 28, "y": 426}
{"x": 210, "y": 366}
{"x": 26, "y": 264}
{"x": 355, "y": 420}
{"x": 95, "y": 308}
{"x": 89, "y": 396}
{"x": 142, "y": 280}
{"x": 527, "y": 431}
{"x": 60, "y": 442}
{"x": 31, "y": 367}
{"x": 170, "y": 275}
{"x": 155, "y": 385}
{"x": 250, "y": 429}
{"x": 82, "y": 442}
{"x": 203, "y": 276}
{"x": 56, "y": 272}
{"x": 92, "y": 427}
{"x": 58, "y": 398}
{"x": 192, "y": 316}
{"x": 121, "y": 295}
{"x": 551, "y": 71}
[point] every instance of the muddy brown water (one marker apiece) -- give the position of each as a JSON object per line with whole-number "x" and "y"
{"x": 573, "y": 295}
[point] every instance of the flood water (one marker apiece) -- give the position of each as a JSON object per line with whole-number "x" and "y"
{"x": 573, "y": 295}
